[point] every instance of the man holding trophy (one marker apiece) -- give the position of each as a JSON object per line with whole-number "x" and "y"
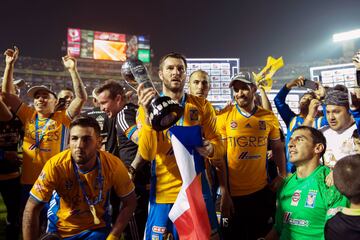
{"x": 156, "y": 115}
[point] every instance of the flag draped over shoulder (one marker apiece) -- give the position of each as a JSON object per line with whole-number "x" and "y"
{"x": 189, "y": 213}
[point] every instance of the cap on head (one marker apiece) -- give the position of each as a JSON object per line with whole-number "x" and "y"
{"x": 244, "y": 77}
{"x": 32, "y": 91}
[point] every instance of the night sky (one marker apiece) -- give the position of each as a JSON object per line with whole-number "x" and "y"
{"x": 299, "y": 31}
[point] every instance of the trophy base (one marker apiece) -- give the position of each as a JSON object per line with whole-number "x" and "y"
{"x": 164, "y": 112}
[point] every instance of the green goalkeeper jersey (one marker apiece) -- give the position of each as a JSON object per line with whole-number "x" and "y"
{"x": 304, "y": 205}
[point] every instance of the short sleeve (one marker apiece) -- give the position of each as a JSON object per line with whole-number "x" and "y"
{"x": 275, "y": 126}
{"x": 45, "y": 183}
{"x": 121, "y": 181}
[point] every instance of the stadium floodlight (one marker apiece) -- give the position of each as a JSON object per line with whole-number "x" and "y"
{"x": 344, "y": 36}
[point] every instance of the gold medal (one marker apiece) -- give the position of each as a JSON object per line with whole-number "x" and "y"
{"x": 93, "y": 212}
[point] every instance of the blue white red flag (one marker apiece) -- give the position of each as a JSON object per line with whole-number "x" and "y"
{"x": 189, "y": 213}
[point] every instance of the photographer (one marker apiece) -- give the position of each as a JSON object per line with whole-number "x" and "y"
{"x": 293, "y": 120}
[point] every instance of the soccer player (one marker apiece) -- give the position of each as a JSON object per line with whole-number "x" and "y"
{"x": 247, "y": 129}
{"x": 347, "y": 179}
{"x": 45, "y": 130}
{"x": 199, "y": 83}
{"x": 83, "y": 176}
{"x": 304, "y": 200}
{"x": 167, "y": 182}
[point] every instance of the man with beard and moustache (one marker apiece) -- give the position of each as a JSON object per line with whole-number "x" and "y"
{"x": 246, "y": 129}
{"x": 291, "y": 119}
{"x": 156, "y": 147}
{"x": 83, "y": 176}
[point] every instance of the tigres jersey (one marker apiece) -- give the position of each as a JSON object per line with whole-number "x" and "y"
{"x": 157, "y": 145}
{"x": 53, "y": 142}
{"x": 74, "y": 213}
{"x": 246, "y": 140}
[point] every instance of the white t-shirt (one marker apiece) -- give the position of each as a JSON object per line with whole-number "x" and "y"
{"x": 338, "y": 145}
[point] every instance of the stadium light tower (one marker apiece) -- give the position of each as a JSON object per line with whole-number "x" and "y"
{"x": 348, "y": 41}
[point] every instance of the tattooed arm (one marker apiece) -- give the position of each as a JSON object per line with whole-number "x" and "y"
{"x": 31, "y": 215}
{"x": 80, "y": 93}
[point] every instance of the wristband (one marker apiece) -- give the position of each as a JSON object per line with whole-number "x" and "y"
{"x": 112, "y": 237}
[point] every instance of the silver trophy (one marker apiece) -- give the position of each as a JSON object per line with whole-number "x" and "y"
{"x": 163, "y": 111}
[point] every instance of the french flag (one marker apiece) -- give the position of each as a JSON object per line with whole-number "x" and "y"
{"x": 189, "y": 213}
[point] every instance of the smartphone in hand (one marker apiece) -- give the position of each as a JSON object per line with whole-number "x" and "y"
{"x": 310, "y": 84}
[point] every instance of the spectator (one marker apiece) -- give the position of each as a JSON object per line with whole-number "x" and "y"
{"x": 341, "y": 127}
{"x": 291, "y": 119}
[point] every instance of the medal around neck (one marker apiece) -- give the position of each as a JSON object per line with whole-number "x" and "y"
{"x": 163, "y": 111}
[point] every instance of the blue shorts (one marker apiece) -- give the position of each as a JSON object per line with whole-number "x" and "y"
{"x": 95, "y": 234}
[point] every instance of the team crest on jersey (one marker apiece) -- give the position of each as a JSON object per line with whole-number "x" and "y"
{"x": 310, "y": 199}
{"x": 262, "y": 125}
{"x": 233, "y": 125}
{"x": 296, "y": 198}
{"x": 194, "y": 114}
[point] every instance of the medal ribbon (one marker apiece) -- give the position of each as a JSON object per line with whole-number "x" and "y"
{"x": 39, "y": 138}
{"x": 100, "y": 182}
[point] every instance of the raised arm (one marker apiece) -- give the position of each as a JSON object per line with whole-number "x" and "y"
{"x": 147, "y": 136}
{"x": 80, "y": 94}
{"x": 8, "y": 89}
{"x": 11, "y": 56}
{"x": 264, "y": 99}
{"x": 31, "y": 215}
{"x": 284, "y": 110}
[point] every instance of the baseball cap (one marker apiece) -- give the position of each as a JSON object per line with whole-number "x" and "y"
{"x": 244, "y": 77}
{"x": 31, "y": 92}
